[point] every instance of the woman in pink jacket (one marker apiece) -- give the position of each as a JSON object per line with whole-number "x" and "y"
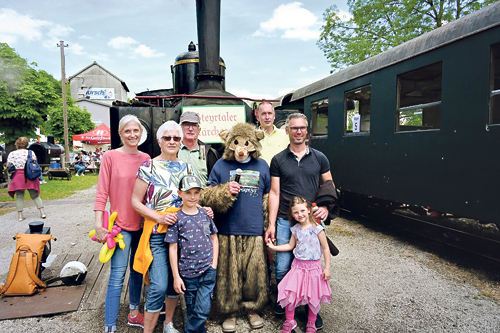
{"x": 116, "y": 182}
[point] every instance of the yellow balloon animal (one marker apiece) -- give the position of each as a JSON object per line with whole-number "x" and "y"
{"x": 114, "y": 236}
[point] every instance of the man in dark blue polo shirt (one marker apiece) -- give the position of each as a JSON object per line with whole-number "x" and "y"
{"x": 296, "y": 171}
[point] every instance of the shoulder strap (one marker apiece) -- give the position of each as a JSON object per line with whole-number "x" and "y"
{"x": 25, "y": 165}
{"x": 12, "y": 274}
{"x": 31, "y": 271}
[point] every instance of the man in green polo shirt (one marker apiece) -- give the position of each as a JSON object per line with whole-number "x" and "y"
{"x": 201, "y": 157}
{"x": 275, "y": 139}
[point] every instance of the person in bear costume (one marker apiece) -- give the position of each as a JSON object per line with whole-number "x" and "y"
{"x": 237, "y": 191}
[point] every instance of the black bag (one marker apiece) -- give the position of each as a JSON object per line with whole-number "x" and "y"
{"x": 31, "y": 169}
{"x": 12, "y": 170}
{"x": 333, "y": 249}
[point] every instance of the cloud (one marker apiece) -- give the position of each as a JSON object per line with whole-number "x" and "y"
{"x": 147, "y": 52}
{"x": 291, "y": 21}
{"x": 9, "y": 39}
{"x": 248, "y": 94}
{"x": 77, "y": 49}
{"x": 59, "y": 30}
{"x": 14, "y": 25}
{"x": 85, "y": 37}
{"x": 306, "y": 68}
{"x": 129, "y": 44}
{"x": 121, "y": 43}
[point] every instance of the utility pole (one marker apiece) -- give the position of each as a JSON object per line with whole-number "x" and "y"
{"x": 65, "y": 107}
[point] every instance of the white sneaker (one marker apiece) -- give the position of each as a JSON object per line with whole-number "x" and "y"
{"x": 82, "y": 174}
{"x": 76, "y": 175}
{"x": 169, "y": 328}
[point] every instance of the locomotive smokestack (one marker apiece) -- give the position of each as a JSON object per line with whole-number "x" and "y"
{"x": 208, "y": 21}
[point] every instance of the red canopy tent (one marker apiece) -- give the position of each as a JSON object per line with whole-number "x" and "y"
{"x": 98, "y": 136}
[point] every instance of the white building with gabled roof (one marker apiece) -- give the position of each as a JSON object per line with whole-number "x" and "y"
{"x": 96, "y": 88}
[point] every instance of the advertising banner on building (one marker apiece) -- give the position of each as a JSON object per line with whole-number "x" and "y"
{"x": 215, "y": 118}
{"x": 100, "y": 93}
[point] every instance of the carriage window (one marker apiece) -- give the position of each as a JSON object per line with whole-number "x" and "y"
{"x": 357, "y": 110}
{"x": 319, "y": 117}
{"x": 419, "y": 99}
{"x": 495, "y": 85}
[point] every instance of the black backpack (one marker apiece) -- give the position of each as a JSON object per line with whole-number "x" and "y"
{"x": 31, "y": 169}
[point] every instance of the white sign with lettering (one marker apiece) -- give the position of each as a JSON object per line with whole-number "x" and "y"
{"x": 215, "y": 118}
{"x": 100, "y": 93}
{"x": 356, "y": 123}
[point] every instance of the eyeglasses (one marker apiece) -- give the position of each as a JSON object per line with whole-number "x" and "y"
{"x": 168, "y": 138}
{"x": 296, "y": 129}
{"x": 190, "y": 126}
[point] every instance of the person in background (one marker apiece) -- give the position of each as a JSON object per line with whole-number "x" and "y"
{"x": 98, "y": 152}
{"x": 275, "y": 139}
{"x": 306, "y": 282}
{"x": 195, "y": 268}
{"x": 86, "y": 157}
{"x": 79, "y": 165}
{"x": 296, "y": 171}
{"x": 116, "y": 183}
{"x": 19, "y": 183}
{"x": 94, "y": 162}
{"x": 199, "y": 155}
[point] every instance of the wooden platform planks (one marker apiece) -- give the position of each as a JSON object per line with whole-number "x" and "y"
{"x": 96, "y": 281}
{"x": 97, "y": 276}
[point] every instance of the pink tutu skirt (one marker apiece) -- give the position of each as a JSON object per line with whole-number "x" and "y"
{"x": 304, "y": 284}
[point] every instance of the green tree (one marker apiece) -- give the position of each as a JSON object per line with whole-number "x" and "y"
{"x": 79, "y": 121}
{"x": 25, "y": 95}
{"x": 378, "y": 25}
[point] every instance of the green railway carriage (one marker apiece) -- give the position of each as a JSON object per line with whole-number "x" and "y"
{"x": 418, "y": 124}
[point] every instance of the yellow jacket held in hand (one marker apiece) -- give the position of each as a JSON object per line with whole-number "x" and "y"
{"x": 143, "y": 255}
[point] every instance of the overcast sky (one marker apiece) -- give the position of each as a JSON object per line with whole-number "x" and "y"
{"x": 269, "y": 47}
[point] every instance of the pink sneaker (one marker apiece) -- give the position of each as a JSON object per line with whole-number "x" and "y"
{"x": 311, "y": 328}
{"x": 288, "y": 326}
{"x": 137, "y": 320}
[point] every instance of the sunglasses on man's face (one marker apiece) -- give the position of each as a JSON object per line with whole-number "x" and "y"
{"x": 168, "y": 138}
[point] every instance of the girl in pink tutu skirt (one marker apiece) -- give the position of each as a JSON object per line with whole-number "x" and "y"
{"x": 307, "y": 282}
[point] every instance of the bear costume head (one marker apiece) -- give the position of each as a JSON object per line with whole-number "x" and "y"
{"x": 241, "y": 141}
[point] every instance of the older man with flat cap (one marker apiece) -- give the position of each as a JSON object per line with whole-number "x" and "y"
{"x": 200, "y": 156}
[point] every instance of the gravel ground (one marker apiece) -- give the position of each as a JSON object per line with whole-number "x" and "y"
{"x": 382, "y": 280}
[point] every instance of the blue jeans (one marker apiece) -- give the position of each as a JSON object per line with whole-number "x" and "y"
{"x": 119, "y": 262}
{"x": 198, "y": 295}
{"x": 80, "y": 168}
{"x": 160, "y": 275}
{"x": 283, "y": 259}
